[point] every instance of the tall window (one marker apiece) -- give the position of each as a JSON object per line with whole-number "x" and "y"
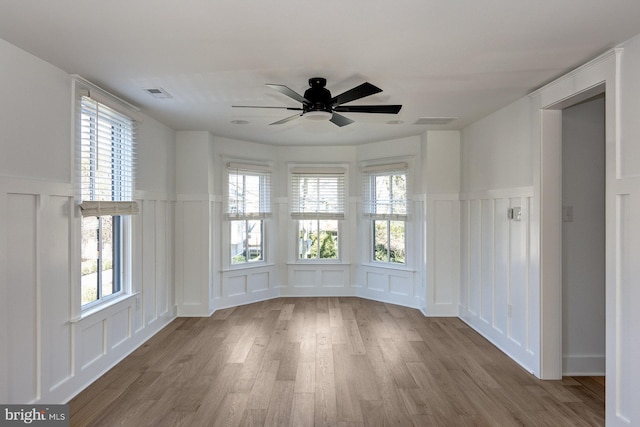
{"x": 386, "y": 205}
{"x": 106, "y": 145}
{"x": 317, "y": 203}
{"x": 248, "y": 203}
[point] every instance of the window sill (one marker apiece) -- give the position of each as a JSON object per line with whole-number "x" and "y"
{"x": 388, "y": 267}
{"x": 103, "y": 306}
{"x": 247, "y": 266}
{"x": 318, "y": 262}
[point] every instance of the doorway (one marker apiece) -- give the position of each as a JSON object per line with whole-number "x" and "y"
{"x": 551, "y": 229}
{"x": 583, "y": 238}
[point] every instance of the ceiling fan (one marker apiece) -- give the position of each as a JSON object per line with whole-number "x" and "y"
{"x": 317, "y": 103}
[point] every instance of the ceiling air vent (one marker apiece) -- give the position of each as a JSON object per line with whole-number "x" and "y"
{"x": 434, "y": 120}
{"x": 158, "y": 93}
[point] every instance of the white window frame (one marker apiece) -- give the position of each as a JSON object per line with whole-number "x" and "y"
{"x": 99, "y": 107}
{"x": 315, "y": 209}
{"x": 389, "y": 210}
{"x": 237, "y": 208}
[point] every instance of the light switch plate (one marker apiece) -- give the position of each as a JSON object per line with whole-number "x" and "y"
{"x": 567, "y": 214}
{"x": 514, "y": 214}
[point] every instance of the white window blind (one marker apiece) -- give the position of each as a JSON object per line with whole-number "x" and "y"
{"x": 248, "y": 191}
{"x": 385, "y": 191}
{"x": 106, "y": 159}
{"x": 317, "y": 193}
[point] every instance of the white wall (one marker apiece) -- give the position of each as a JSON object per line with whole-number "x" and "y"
{"x": 496, "y": 150}
{"x": 583, "y": 242}
{"x": 47, "y": 355}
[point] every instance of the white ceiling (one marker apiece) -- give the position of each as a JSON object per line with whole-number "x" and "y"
{"x": 439, "y": 58}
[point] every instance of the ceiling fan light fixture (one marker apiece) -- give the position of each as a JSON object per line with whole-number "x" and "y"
{"x": 318, "y": 115}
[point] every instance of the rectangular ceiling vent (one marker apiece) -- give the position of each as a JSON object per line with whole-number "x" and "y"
{"x": 434, "y": 120}
{"x": 159, "y": 93}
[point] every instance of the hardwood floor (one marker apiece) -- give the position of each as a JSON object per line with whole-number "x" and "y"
{"x": 329, "y": 362}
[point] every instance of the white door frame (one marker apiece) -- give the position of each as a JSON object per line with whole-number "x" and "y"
{"x": 596, "y": 77}
{"x": 551, "y": 231}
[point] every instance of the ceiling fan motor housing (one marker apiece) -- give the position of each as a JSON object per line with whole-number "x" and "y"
{"x": 318, "y": 96}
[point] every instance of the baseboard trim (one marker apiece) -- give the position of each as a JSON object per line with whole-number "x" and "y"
{"x": 577, "y": 366}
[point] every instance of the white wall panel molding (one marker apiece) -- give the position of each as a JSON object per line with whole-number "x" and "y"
{"x": 496, "y": 297}
{"x": 34, "y": 186}
{"x": 318, "y": 276}
{"x": 50, "y": 358}
{"x": 192, "y": 257}
{"x": 392, "y": 285}
{"x": 442, "y": 254}
{"x": 500, "y": 193}
{"x": 196, "y": 197}
{"x": 155, "y": 195}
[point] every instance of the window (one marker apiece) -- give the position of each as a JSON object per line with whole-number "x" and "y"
{"x": 106, "y": 145}
{"x": 248, "y": 203}
{"x": 317, "y": 203}
{"x": 385, "y": 191}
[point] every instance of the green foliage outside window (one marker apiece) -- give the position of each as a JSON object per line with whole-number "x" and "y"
{"x": 389, "y": 240}
{"x": 327, "y": 246}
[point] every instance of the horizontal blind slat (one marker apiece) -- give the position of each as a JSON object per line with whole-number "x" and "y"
{"x": 107, "y": 156}
{"x": 316, "y": 194}
{"x": 385, "y": 192}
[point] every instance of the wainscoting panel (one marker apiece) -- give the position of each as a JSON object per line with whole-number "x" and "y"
{"x": 148, "y": 222}
{"x": 318, "y": 280}
{"x": 56, "y": 292}
{"x": 234, "y": 286}
{"x": 246, "y": 285}
{"x": 377, "y": 282}
{"x": 51, "y": 349}
{"x": 119, "y": 328}
{"x": 193, "y": 255}
{"x": 332, "y": 278}
{"x": 392, "y": 285}
{"x": 443, "y": 254}
{"x": 495, "y": 264}
{"x": 22, "y": 289}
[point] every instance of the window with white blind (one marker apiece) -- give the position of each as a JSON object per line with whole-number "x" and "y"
{"x": 317, "y": 203}
{"x": 248, "y": 203}
{"x": 385, "y": 204}
{"x": 105, "y": 168}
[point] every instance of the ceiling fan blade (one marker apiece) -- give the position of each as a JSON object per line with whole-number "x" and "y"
{"x": 340, "y": 120}
{"x": 285, "y": 120}
{"x": 384, "y": 109}
{"x": 262, "y": 106}
{"x": 290, "y": 93}
{"x": 365, "y": 89}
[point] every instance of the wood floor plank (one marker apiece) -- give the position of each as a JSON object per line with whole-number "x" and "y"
{"x": 348, "y": 402}
{"x": 280, "y": 404}
{"x": 325, "y": 408}
{"x": 302, "y": 413}
{"x": 329, "y": 361}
